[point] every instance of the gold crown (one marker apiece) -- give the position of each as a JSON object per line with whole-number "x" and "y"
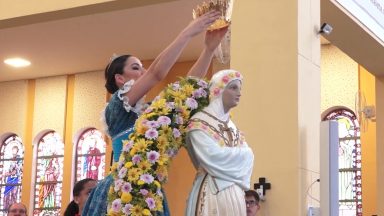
{"x": 223, "y": 6}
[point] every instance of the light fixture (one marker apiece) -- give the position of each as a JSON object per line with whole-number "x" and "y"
{"x": 326, "y": 29}
{"x": 17, "y": 62}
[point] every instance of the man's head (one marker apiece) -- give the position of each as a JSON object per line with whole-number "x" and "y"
{"x": 17, "y": 209}
{"x": 252, "y": 202}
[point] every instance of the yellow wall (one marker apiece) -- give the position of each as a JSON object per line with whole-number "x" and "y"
{"x": 275, "y": 74}
{"x": 28, "y": 137}
{"x": 380, "y": 143}
{"x": 339, "y": 79}
{"x": 50, "y": 100}
{"x": 368, "y": 147}
{"x": 89, "y": 97}
{"x": 13, "y": 111}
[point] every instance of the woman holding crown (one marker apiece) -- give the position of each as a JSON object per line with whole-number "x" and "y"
{"x": 128, "y": 82}
{"x": 219, "y": 152}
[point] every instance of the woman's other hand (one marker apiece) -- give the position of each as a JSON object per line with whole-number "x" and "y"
{"x": 213, "y": 38}
{"x": 201, "y": 23}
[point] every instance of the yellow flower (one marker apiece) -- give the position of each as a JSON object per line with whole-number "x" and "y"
{"x": 158, "y": 185}
{"x": 111, "y": 190}
{"x": 163, "y": 159}
{"x": 136, "y": 210}
{"x": 162, "y": 170}
{"x": 166, "y": 130}
{"x": 158, "y": 104}
{"x": 140, "y": 182}
{"x": 164, "y": 111}
{"x": 122, "y": 158}
{"x": 188, "y": 89}
{"x": 141, "y": 145}
{"x": 112, "y": 213}
{"x": 125, "y": 142}
{"x": 184, "y": 112}
{"x": 128, "y": 165}
{"x": 145, "y": 165}
{"x": 178, "y": 102}
{"x": 133, "y": 152}
{"x": 178, "y": 95}
{"x": 159, "y": 203}
{"x": 114, "y": 167}
{"x": 146, "y": 212}
{"x": 133, "y": 174}
{"x": 126, "y": 197}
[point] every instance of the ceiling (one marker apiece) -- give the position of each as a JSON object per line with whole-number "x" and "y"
{"x": 353, "y": 38}
{"x": 85, "y": 43}
{"x": 83, "y": 39}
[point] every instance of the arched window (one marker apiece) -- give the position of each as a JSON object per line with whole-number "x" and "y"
{"x": 349, "y": 161}
{"x": 90, "y": 155}
{"x": 49, "y": 175}
{"x": 11, "y": 171}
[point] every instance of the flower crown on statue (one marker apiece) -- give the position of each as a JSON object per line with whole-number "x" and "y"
{"x": 223, "y": 6}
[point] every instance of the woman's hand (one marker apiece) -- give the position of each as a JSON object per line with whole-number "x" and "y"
{"x": 201, "y": 24}
{"x": 213, "y": 38}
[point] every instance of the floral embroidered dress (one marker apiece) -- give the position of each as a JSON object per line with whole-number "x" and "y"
{"x": 222, "y": 158}
{"x": 120, "y": 118}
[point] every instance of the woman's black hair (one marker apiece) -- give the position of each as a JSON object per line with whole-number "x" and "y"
{"x": 73, "y": 208}
{"x": 116, "y": 66}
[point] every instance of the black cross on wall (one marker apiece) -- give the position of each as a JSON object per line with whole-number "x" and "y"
{"x": 262, "y": 184}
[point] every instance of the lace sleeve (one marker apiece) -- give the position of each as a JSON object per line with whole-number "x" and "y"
{"x": 139, "y": 106}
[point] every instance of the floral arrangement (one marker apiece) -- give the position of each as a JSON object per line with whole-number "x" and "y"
{"x": 158, "y": 135}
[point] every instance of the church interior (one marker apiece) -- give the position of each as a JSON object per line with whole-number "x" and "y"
{"x": 295, "y": 76}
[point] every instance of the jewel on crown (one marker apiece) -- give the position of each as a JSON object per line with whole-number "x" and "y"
{"x": 223, "y": 6}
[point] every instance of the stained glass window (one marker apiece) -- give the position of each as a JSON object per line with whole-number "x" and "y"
{"x": 90, "y": 155}
{"x": 11, "y": 171}
{"x": 49, "y": 175}
{"x": 350, "y": 203}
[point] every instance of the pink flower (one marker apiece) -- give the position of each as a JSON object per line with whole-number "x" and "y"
{"x": 172, "y": 152}
{"x": 160, "y": 177}
{"x": 118, "y": 184}
{"x": 151, "y": 134}
{"x": 116, "y": 205}
{"x": 202, "y": 83}
{"x": 176, "y": 133}
{"x": 153, "y": 156}
{"x": 179, "y": 119}
{"x": 158, "y": 192}
{"x": 216, "y": 91}
{"x": 150, "y": 203}
{"x": 170, "y": 105}
{"x": 164, "y": 120}
{"x": 237, "y": 74}
{"x": 225, "y": 79}
{"x": 147, "y": 178}
{"x": 136, "y": 159}
{"x": 176, "y": 86}
{"x": 143, "y": 192}
{"x": 152, "y": 124}
{"x": 127, "y": 209}
{"x": 191, "y": 103}
{"x": 128, "y": 146}
{"x": 121, "y": 162}
{"x": 126, "y": 188}
{"x": 197, "y": 94}
{"x": 122, "y": 172}
{"x": 148, "y": 110}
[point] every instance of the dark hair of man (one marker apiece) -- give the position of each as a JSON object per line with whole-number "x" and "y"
{"x": 253, "y": 193}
